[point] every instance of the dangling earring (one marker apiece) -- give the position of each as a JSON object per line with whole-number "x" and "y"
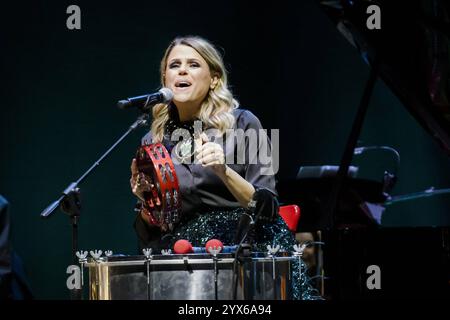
{"x": 214, "y": 83}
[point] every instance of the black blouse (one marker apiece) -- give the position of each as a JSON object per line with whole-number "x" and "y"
{"x": 201, "y": 190}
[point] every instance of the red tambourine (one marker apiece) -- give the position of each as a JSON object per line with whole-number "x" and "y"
{"x": 163, "y": 201}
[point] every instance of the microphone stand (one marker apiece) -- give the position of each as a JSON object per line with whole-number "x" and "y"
{"x": 70, "y": 202}
{"x": 240, "y": 247}
{"x": 254, "y": 215}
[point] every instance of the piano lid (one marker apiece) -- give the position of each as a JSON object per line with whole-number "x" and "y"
{"x": 413, "y": 50}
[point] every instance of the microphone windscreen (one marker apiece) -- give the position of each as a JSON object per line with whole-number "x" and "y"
{"x": 213, "y": 243}
{"x": 167, "y": 94}
{"x": 182, "y": 246}
{"x": 123, "y": 104}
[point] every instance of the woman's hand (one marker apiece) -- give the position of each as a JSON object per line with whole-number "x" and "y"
{"x": 210, "y": 154}
{"x": 139, "y": 182}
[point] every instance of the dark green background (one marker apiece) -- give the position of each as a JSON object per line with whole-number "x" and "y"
{"x": 287, "y": 63}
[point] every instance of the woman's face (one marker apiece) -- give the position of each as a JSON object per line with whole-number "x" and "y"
{"x": 188, "y": 75}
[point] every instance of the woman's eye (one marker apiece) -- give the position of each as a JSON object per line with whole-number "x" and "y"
{"x": 195, "y": 65}
{"x": 173, "y": 65}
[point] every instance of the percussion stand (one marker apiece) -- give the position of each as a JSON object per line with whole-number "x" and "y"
{"x": 243, "y": 250}
{"x": 214, "y": 252}
{"x": 70, "y": 202}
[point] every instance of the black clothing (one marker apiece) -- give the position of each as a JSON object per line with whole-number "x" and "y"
{"x": 201, "y": 190}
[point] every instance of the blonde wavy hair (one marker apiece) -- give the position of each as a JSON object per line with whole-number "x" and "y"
{"x": 216, "y": 109}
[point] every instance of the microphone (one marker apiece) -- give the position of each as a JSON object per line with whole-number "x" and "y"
{"x": 183, "y": 246}
{"x": 164, "y": 95}
{"x": 262, "y": 207}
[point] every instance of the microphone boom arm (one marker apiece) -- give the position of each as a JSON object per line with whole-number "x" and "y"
{"x": 70, "y": 202}
{"x": 141, "y": 121}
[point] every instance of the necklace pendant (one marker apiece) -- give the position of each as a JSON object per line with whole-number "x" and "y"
{"x": 183, "y": 151}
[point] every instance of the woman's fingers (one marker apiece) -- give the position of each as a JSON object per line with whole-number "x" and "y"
{"x": 199, "y": 143}
{"x": 211, "y": 153}
{"x": 204, "y": 137}
{"x": 213, "y": 158}
{"x": 144, "y": 182}
{"x": 139, "y": 182}
{"x": 134, "y": 168}
{"x": 134, "y": 174}
{"x": 208, "y": 148}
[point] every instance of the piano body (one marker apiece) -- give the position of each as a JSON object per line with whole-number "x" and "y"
{"x": 411, "y": 55}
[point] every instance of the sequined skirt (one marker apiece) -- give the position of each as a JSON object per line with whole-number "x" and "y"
{"x": 222, "y": 225}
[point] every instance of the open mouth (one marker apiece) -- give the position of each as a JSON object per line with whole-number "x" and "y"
{"x": 182, "y": 84}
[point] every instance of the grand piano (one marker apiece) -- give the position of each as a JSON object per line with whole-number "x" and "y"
{"x": 411, "y": 54}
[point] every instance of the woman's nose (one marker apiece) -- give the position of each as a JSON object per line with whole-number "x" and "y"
{"x": 182, "y": 69}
